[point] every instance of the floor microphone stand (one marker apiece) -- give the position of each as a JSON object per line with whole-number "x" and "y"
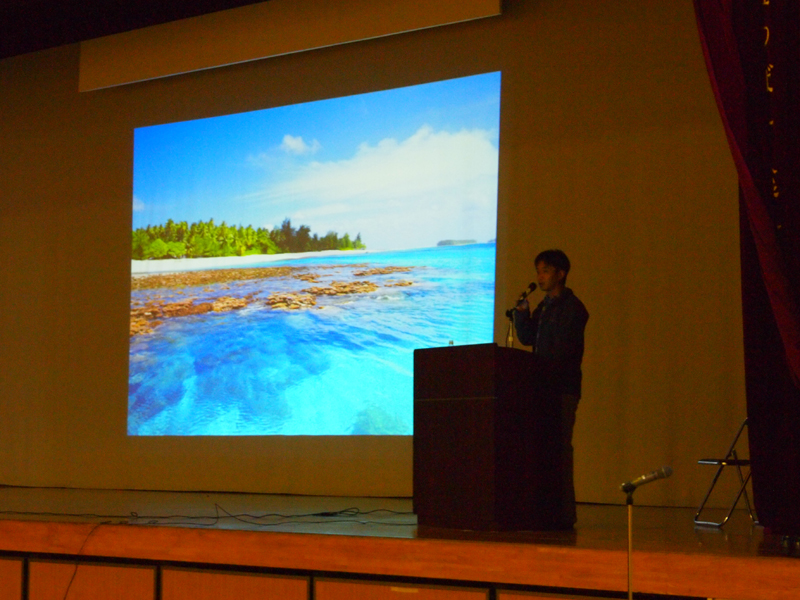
{"x": 629, "y": 488}
{"x": 629, "y": 504}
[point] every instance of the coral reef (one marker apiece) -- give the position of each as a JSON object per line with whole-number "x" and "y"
{"x": 158, "y": 306}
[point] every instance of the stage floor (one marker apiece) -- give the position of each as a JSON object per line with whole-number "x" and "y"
{"x": 380, "y": 537}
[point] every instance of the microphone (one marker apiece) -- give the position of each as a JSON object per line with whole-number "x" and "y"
{"x": 531, "y": 287}
{"x": 522, "y": 296}
{"x": 661, "y": 473}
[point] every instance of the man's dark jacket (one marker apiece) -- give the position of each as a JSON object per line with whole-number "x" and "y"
{"x": 555, "y": 330}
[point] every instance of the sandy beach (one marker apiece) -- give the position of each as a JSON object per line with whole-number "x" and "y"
{"x": 178, "y": 265}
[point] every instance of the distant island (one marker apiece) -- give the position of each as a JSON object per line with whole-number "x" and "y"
{"x": 456, "y": 242}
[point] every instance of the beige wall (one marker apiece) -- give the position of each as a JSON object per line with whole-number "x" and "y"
{"x": 611, "y": 148}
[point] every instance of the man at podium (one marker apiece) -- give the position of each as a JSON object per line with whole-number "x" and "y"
{"x": 555, "y": 330}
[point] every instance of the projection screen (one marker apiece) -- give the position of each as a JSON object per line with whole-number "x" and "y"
{"x": 288, "y": 261}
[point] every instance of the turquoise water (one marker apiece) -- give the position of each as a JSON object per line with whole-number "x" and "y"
{"x": 343, "y": 369}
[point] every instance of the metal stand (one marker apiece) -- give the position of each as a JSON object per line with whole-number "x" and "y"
{"x": 629, "y": 488}
{"x": 510, "y": 333}
{"x": 629, "y": 503}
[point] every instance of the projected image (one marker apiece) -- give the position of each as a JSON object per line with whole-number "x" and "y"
{"x": 287, "y": 262}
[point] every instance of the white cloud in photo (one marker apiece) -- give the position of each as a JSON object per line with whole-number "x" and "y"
{"x": 138, "y": 205}
{"x": 399, "y": 194}
{"x": 298, "y": 146}
{"x": 262, "y": 160}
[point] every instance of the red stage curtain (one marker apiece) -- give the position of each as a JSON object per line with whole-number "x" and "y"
{"x": 752, "y": 51}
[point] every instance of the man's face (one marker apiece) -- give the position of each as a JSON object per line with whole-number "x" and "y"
{"x": 548, "y": 277}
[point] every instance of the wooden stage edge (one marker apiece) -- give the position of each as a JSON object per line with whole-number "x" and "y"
{"x": 671, "y": 556}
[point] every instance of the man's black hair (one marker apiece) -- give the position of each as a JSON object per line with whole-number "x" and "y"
{"x": 554, "y": 258}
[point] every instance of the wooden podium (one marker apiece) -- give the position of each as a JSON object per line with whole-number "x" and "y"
{"x": 486, "y": 440}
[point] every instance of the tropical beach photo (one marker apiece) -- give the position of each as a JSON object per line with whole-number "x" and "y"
{"x": 286, "y": 263}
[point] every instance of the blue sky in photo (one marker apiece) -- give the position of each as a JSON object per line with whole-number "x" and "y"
{"x": 405, "y": 168}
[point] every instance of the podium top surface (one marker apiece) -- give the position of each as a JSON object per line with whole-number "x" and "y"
{"x": 473, "y": 371}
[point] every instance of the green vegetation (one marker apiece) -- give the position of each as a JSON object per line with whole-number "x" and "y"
{"x": 206, "y": 239}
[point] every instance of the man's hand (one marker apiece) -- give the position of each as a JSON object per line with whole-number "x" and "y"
{"x": 522, "y": 306}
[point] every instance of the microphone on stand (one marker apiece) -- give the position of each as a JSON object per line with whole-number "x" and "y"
{"x": 661, "y": 473}
{"x": 531, "y": 287}
{"x": 629, "y": 488}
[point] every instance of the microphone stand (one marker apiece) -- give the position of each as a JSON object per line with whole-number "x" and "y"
{"x": 510, "y": 333}
{"x": 510, "y": 314}
{"x": 629, "y": 504}
{"x": 629, "y": 488}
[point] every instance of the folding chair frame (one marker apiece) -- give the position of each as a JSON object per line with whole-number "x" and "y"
{"x": 731, "y": 460}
